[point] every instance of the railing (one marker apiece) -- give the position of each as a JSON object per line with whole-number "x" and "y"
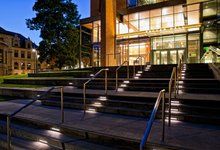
{"x": 10, "y": 116}
{"x": 172, "y": 84}
{"x": 137, "y": 60}
{"x": 92, "y": 78}
{"x": 152, "y": 118}
{"x": 113, "y": 55}
{"x": 116, "y": 74}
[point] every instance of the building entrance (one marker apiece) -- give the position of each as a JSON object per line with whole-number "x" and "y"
{"x": 167, "y": 56}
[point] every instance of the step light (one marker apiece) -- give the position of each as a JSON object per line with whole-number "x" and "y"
{"x": 140, "y": 72}
{"x": 136, "y": 77}
{"x": 91, "y": 110}
{"x": 120, "y": 89}
{"x": 123, "y": 85}
{"x": 126, "y": 82}
{"x": 70, "y": 83}
{"x": 180, "y": 82}
{"x": 55, "y": 129}
{"x": 91, "y": 75}
{"x": 180, "y": 86}
{"x": 43, "y": 141}
{"x": 102, "y": 98}
{"x": 97, "y": 104}
{"x": 174, "y": 110}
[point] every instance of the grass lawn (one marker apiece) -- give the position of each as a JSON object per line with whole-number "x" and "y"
{"x": 16, "y": 85}
{"x": 12, "y": 77}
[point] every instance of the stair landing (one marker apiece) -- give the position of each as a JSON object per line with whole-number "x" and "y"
{"x": 187, "y": 135}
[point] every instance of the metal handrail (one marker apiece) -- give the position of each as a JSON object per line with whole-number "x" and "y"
{"x": 116, "y": 73}
{"x": 134, "y": 67}
{"x": 10, "y": 116}
{"x": 171, "y": 83}
{"x": 92, "y": 78}
{"x": 161, "y": 95}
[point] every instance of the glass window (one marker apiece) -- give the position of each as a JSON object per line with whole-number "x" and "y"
{"x": 167, "y": 21}
{"x": 22, "y": 54}
{"x": 133, "y": 26}
{"x": 16, "y": 53}
{"x": 210, "y": 9}
{"x": 123, "y": 28}
{"x": 16, "y": 66}
{"x": 96, "y": 31}
{"x": 132, "y": 3}
{"x": 133, "y": 16}
{"x": 155, "y": 12}
{"x": 193, "y": 7}
{"x": 155, "y": 23}
{"x": 193, "y": 17}
{"x": 1, "y": 56}
{"x": 157, "y": 43}
{"x": 28, "y": 54}
{"x": 210, "y": 35}
{"x": 167, "y": 10}
{"x": 178, "y": 9}
{"x": 22, "y": 65}
{"x": 179, "y": 19}
{"x": 144, "y": 14}
{"x": 168, "y": 42}
{"x": 180, "y": 41}
{"x": 144, "y": 25}
{"x": 29, "y": 66}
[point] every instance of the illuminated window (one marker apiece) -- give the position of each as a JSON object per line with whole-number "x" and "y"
{"x": 167, "y": 10}
{"x": 193, "y": 17}
{"x": 167, "y": 21}
{"x": 168, "y": 42}
{"x": 96, "y": 31}
{"x": 179, "y": 19}
{"x": 29, "y": 66}
{"x": 144, "y": 25}
{"x": 155, "y": 23}
{"x": 209, "y": 9}
{"x": 157, "y": 43}
{"x": 22, "y": 65}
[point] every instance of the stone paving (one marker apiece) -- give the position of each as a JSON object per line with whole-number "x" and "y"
{"x": 180, "y": 134}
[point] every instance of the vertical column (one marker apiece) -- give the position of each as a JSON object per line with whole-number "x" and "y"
{"x": 108, "y": 30}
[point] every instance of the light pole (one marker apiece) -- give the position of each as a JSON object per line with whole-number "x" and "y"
{"x": 36, "y": 60}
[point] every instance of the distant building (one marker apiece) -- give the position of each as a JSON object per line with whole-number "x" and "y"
{"x": 160, "y": 31}
{"x": 16, "y": 53}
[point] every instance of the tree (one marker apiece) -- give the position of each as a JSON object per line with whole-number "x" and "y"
{"x": 57, "y": 21}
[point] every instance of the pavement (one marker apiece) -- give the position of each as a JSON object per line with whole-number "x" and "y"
{"x": 180, "y": 134}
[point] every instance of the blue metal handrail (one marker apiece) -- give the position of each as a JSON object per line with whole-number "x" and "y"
{"x": 152, "y": 118}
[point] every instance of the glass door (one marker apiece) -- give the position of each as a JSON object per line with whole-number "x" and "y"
{"x": 156, "y": 57}
{"x": 163, "y": 57}
{"x": 173, "y": 57}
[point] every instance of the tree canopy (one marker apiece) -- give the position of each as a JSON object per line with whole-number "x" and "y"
{"x": 57, "y": 21}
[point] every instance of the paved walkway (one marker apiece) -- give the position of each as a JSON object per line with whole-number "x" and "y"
{"x": 187, "y": 135}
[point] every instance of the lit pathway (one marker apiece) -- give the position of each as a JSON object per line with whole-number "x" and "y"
{"x": 185, "y": 135}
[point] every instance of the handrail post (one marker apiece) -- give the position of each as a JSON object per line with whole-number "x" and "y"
{"x": 62, "y": 103}
{"x": 134, "y": 69}
{"x": 169, "y": 114}
{"x": 106, "y": 81}
{"x": 175, "y": 81}
{"x": 84, "y": 98}
{"x": 116, "y": 82}
{"x": 163, "y": 116}
{"x": 128, "y": 71}
{"x": 9, "y": 132}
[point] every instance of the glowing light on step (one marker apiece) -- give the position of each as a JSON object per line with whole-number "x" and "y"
{"x": 102, "y": 98}
{"x": 136, "y": 77}
{"x": 120, "y": 89}
{"x": 91, "y": 75}
{"x": 126, "y": 82}
{"x": 43, "y": 141}
{"x": 123, "y": 85}
{"x": 180, "y": 82}
{"x": 174, "y": 110}
{"x": 70, "y": 83}
{"x": 38, "y": 95}
{"x": 97, "y": 104}
{"x": 180, "y": 86}
{"x": 140, "y": 72}
{"x": 172, "y": 119}
{"x": 91, "y": 110}
{"x": 55, "y": 129}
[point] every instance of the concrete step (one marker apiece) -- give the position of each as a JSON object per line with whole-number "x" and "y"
{"x": 33, "y": 137}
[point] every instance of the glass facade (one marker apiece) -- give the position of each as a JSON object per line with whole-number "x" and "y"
{"x": 163, "y": 18}
{"x": 96, "y": 31}
{"x": 167, "y": 45}
{"x": 134, "y": 3}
